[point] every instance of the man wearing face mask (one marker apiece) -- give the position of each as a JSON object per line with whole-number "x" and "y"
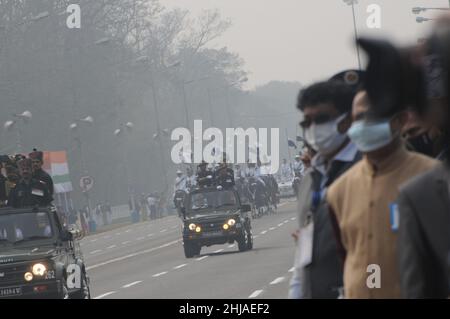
{"x": 424, "y": 205}
{"x": 427, "y": 131}
{"x": 363, "y": 201}
{"x": 327, "y": 117}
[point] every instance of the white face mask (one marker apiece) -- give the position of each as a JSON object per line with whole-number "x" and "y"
{"x": 325, "y": 138}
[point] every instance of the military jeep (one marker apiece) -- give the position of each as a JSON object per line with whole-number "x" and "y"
{"x": 39, "y": 257}
{"x": 215, "y": 216}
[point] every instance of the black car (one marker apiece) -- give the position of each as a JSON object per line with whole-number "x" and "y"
{"x": 39, "y": 257}
{"x": 215, "y": 216}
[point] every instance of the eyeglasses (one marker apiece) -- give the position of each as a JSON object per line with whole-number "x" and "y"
{"x": 320, "y": 119}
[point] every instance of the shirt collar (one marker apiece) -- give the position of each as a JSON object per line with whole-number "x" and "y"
{"x": 394, "y": 161}
{"x": 347, "y": 154}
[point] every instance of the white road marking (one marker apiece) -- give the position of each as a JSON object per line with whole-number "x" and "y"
{"x": 256, "y": 236}
{"x": 277, "y": 281}
{"x": 280, "y": 224}
{"x": 133, "y": 255}
{"x": 264, "y": 232}
{"x": 111, "y": 247}
{"x": 292, "y": 269}
{"x": 180, "y": 266}
{"x": 231, "y": 246}
{"x": 149, "y": 235}
{"x": 140, "y": 238}
{"x": 293, "y": 218}
{"x": 163, "y": 231}
{"x": 105, "y": 295}
{"x": 286, "y": 221}
{"x": 201, "y": 258}
{"x": 128, "y": 230}
{"x": 160, "y": 274}
{"x": 218, "y": 251}
{"x": 126, "y": 242}
{"x": 255, "y": 294}
{"x": 132, "y": 284}
{"x": 95, "y": 251}
{"x": 272, "y": 228}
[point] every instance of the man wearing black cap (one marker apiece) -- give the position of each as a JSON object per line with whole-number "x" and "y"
{"x": 37, "y": 159}
{"x": 29, "y": 191}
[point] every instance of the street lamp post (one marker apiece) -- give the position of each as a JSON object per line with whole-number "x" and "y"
{"x": 227, "y": 99}
{"x": 21, "y": 119}
{"x": 352, "y": 4}
{"x": 185, "y": 102}
{"x": 186, "y": 110}
{"x": 123, "y": 130}
{"x": 211, "y": 116}
{"x": 145, "y": 59}
{"x": 74, "y": 127}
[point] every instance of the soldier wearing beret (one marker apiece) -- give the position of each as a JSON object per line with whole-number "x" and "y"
{"x": 37, "y": 159}
{"x": 29, "y": 191}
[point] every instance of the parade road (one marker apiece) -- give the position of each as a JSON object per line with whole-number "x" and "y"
{"x": 146, "y": 260}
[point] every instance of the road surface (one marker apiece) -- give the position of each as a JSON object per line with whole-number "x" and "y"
{"x": 146, "y": 261}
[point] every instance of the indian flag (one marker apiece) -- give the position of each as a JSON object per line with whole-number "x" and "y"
{"x": 55, "y": 164}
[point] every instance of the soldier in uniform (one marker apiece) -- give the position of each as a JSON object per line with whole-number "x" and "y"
{"x": 204, "y": 175}
{"x": 191, "y": 181}
{"x": 38, "y": 173}
{"x": 12, "y": 174}
{"x": 224, "y": 176}
{"x": 29, "y": 191}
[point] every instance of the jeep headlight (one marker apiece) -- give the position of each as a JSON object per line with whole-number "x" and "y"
{"x": 28, "y": 276}
{"x": 198, "y": 229}
{"x": 231, "y": 222}
{"x": 192, "y": 227}
{"x": 39, "y": 269}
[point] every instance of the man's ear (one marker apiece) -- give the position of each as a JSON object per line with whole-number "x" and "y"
{"x": 401, "y": 119}
{"x": 345, "y": 124}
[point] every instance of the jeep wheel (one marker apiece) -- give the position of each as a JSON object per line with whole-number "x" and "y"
{"x": 243, "y": 241}
{"x": 191, "y": 250}
{"x": 249, "y": 240}
{"x": 64, "y": 291}
{"x": 84, "y": 292}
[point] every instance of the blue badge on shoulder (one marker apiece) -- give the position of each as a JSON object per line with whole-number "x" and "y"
{"x": 395, "y": 217}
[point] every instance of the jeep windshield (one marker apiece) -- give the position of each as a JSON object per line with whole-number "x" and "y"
{"x": 20, "y": 228}
{"x": 213, "y": 201}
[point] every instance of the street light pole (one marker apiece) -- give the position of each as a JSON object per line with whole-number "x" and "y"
{"x": 227, "y": 99}
{"x": 186, "y": 110}
{"x": 158, "y": 127}
{"x": 84, "y": 171}
{"x": 211, "y": 118}
{"x": 356, "y": 35}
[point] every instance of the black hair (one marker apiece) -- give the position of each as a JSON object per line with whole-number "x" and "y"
{"x": 334, "y": 92}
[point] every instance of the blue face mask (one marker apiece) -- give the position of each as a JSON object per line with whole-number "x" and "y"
{"x": 369, "y": 137}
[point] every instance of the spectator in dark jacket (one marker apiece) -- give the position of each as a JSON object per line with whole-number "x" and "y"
{"x": 327, "y": 110}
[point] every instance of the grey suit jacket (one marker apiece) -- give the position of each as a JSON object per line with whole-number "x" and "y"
{"x": 424, "y": 235}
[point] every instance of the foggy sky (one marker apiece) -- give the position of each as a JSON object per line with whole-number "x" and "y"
{"x": 306, "y": 40}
